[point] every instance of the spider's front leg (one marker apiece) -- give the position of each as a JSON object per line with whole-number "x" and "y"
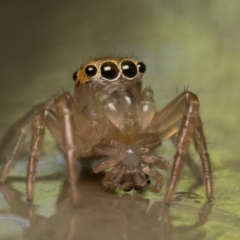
{"x": 61, "y": 125}
{"x": 181, "y": 117}
{"x": 64, "y": 106}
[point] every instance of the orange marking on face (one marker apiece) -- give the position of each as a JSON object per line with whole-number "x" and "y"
{"x": 81, "y": 77}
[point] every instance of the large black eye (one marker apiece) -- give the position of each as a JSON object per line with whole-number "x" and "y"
{"x": 109, "y": 70}
{"x": 141, "y": 67}
{"x": 91, "y": 70}
{"x": 129, "y": 69}
{"x": 75, "y": 76}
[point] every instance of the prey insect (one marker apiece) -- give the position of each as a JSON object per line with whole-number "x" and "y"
{"x": 110, "y": 117}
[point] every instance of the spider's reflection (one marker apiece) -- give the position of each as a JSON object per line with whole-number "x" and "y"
{"x": 105, "y": 216}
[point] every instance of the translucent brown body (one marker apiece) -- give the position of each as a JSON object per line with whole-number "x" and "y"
{"x": 111, "y": 118}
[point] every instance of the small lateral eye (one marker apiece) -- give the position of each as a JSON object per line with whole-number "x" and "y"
{"x": 141, "y": 67}
{"x": 75, "y": 76}
{"x": 129, "y": 69}
{"x": 109, "y": 70}
{"x": 91, "y": 70}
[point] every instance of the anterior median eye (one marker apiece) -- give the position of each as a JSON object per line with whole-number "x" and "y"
{"x": 109, "y": 71}
{"x": 91, "y": 70}
{"x": 129, "y": 69}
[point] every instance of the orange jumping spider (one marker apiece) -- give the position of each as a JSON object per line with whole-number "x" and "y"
{"x": 111, "y": 118}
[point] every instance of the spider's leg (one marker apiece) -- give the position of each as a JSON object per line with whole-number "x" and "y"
{"x": 182, "y": 143}
{"x": 53, "y": 124}
{"x": 181, "y": 117}
{"x": 158, "y": 161}
{"x": 25, "y": 120}
{"x": 170, "y": 130}
{"x": 64, "y": 107}
{"x": 194, "y": 168}
{"x": 107, "y": 163}
{"x": 44, "y": 118}
{"x": 38, "y": 129}
{"x": 201, "y": 148}
{"x": 12, "y": 157}
{"x": 19, "y": 131}
{"x": 73, "y": 132}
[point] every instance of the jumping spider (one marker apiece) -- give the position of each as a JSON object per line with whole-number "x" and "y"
{"x": 111, "y": 118}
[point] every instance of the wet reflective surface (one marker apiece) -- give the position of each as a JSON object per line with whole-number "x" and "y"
{"x": 106, "y": 215}
{"x": 194, "y": 44}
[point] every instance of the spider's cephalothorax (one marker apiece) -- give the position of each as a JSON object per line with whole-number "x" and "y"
{"x": 111, "y": 118}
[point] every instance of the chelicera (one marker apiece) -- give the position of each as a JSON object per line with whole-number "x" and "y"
{"x": 112, "y": 119}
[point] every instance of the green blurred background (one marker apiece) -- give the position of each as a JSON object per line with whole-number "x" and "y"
{"x": 183, "y": 43}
